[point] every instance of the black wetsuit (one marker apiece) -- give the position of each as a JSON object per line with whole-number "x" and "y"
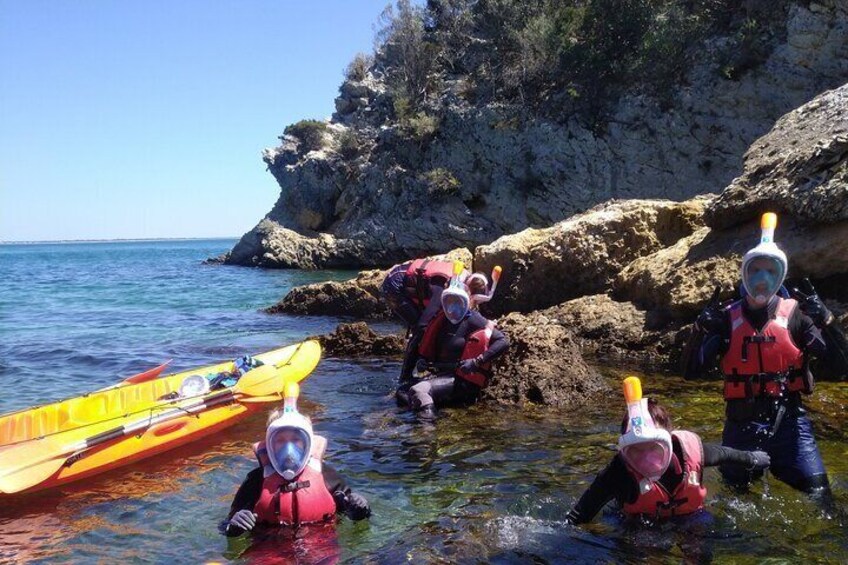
{"x": 616, "y": 482}
{"x": 447, "y": 388}
{"x": 251, "y": 489}
{"x": 750, "y": 424}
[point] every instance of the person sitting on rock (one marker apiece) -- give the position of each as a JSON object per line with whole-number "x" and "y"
{"x": 658, "y": 471}
{"x": 291, "y": 486}
{"x": 460, "y": 345}
{"x": 765, "y": 343}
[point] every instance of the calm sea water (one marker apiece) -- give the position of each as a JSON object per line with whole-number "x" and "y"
{"x": 482, "y": 485}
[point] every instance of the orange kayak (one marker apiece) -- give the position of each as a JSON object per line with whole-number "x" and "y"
{"x": 132, "y": 421}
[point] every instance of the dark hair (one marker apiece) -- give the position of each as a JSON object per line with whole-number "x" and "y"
{"x": 659, "y": 414}
{"x": 477, "y": 285}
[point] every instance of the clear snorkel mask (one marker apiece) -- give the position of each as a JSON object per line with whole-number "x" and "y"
{"x": 764, "y": 267}
{"x": 289, "y": 438}
{"x": 455, "y": 300}
{"x": 645, "y": 448}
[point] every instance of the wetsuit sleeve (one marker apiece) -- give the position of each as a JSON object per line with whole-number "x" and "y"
{"x": 720, "y": 455}
{"x": 608, "y": 485}
{"x": 498, "y": 344}
{"x": 245, "y": 498}
{"x": 806, "y": 335}
{"x": 332, "y": 480}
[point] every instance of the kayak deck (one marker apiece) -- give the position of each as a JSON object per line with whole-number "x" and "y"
{"x": 88, "y": 414}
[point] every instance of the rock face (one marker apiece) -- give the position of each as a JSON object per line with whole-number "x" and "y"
{"x": 332, "y": 299}
{"x": 583, "y": 254}
{"x": 800, "y": 168}
{"x": 358, "y": 340}
{"x": 379, "y": 193}
{"x": 543, "y": 366}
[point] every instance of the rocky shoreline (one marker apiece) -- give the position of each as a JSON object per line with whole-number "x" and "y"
{"x": 622, "y": 282}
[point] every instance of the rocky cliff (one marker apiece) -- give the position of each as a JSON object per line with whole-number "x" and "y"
{"x": 381, "y": 182}
{"x": 625, "y": 279}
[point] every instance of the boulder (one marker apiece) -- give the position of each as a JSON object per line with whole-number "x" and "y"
{"x": 583, "y": 255}
{"x": 611, "y": 332}
{"x": 358, "y": 340}
{"x": 799, "y": 168}
{"x": 543, "y": 366}
{"x": 332, "y": 299}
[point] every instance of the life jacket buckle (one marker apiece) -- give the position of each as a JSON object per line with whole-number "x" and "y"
{"x": 292, "y": 487}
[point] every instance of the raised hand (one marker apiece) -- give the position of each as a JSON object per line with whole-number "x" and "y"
{"x": 811, "y": 304}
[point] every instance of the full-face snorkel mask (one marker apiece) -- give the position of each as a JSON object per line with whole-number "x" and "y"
{"x": 764, "y": 267}
{"x": 646, "y": 449}
{"x": 455, "y": 301}
{"x": 289, "y": 438}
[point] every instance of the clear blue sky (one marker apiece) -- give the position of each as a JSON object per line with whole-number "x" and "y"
{"x": 124, "y": 119}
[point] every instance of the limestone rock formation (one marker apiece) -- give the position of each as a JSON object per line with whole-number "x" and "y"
{"x": 358, "y": 340}
{"x": 543, "y": 366}
{"x": 799, "y": 168}
{"x": 380, "y": 191}
{"x": 583, "y": 254}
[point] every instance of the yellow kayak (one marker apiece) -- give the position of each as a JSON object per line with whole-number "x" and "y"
{"x": 102, "y": 430}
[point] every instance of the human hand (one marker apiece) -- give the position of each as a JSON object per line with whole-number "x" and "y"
{"x": 811, "y": 304}
{"x": 244, "y": 519}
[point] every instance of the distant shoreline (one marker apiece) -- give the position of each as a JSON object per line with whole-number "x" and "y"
{"x": 127, "y": 240}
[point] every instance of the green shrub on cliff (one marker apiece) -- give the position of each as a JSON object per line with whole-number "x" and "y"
{"x": 566, "y": 56}
{"x": 441, "y": 183}
{"x": 350, "y": 145}
{"x": 310, "y": 134}
{"x": 357, "y": 69}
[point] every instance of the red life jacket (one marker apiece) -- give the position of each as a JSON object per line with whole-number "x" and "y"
{"x": 421, "y": 274}
{"x": 303, "y": 500}
{"x": 761, "y": 362}
{"x": 656, "y": 502}
{"x": 475, "y": 344}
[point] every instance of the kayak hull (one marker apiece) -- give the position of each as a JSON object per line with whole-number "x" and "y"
{"x": 69, "y": 421}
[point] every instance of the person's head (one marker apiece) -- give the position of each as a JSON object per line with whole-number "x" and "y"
{"x": 764, "y": 267}
{"x": 477, "y": 283}
{"x": 288, "y": 440}
{"x": 645, "y": 442}
{"x": 455, "y": 301}
{"x": 762, "y": 276}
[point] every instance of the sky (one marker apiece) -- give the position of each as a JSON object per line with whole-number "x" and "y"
{"x": 123, "y": 119}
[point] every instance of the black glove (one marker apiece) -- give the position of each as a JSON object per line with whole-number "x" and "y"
{"x": 811, "y": 304}
{"x": 713, "y": 318}
{"x": 469, "y": 365}
{"x": 422, "y": 366}
{"x": 759, "y": 460}
{"x": 355, "y": 505}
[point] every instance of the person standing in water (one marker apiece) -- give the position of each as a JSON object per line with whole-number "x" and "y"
{"x": 460, "y": 345}
{"x": 292, "y": 486}
{"x": 658, "y": 471}
{"x": 763, "y": 344}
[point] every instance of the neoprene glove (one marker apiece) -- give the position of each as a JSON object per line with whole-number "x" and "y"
{"x": 712, "y": 318}
{"x": 811, "y": 304}
{"x": 422, "y": 366}
{"x": 759, "y": 460}
{"x": 244, "y": 519}
{"x": 468, "y": 366}
{"x": 354, "y": 505}
{"x": 357, "y": 506}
